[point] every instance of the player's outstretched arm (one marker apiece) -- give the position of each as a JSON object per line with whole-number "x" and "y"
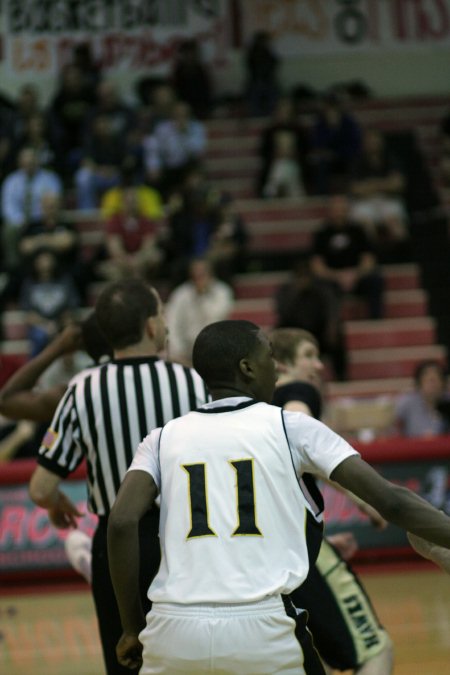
{"x": 136, "y": 495}
{"x": 17, "y": 398}
{"x": 397, "y": 504}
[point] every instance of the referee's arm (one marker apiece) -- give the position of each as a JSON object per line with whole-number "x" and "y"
{"x": 44, "y": 491}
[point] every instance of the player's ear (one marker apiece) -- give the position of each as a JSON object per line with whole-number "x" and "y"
{"x": 150, "y": 327}
{"x": 247, "y": 369}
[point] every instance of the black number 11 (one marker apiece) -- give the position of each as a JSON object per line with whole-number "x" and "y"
{"x": 245, "y": 498}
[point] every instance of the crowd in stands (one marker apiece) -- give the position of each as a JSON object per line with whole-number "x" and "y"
{"x": 139, "y": 168}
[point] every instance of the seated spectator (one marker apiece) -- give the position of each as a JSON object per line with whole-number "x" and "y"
{"x": 173, "y": 146}
{"x": 191, "y": 79}
{"x": 109, "y": 104}
{"x": 335, "y": 143}
{"x": 104, "y": 157}
{"x": 68, "y": 112}
{"x": 22, "y": 193}
{"x": 54, "y": 234}
{"x": 133, "y": 242}
{"x": 227, "y": 241}
{"x": 303, "y": 303}
{"x": 161, "y": 100}
{"x": 192, "y": 217}
{"x": 15, "y": 122}
{"x": 426, "y": 411}
{"x": 48, "y": 297}
{"x": 377, "y": 187}
{"x": 343, "y": 258}
{"x": 37, "y": 136}
{"x": 283, "y": 152}
{"x": 201, "y": 300}
{"x": 261, "y": 65}
{"x": 149, "y": 202}
{"x": 83, "y": 58}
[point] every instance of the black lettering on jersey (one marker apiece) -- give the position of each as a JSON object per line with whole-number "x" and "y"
{"x": 245, "y": 498}
{"x": 198, "y": 501}
{"x": 361, "y": 621}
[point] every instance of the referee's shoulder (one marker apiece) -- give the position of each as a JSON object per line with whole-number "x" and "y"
{"x": 83, "y": 375}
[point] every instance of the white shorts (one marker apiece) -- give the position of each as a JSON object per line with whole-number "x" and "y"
{"x": 242, "y": 639}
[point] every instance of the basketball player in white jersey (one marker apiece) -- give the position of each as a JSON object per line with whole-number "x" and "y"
{"x": 235, "y": 521}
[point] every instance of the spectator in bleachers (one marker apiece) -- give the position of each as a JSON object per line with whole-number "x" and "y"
{"x": 191, "y": 79}
{"x": 37, "y": 136}
{"x": 227, "y": 241}
{"x": 49, "y": 298}
{"x": 262, "y": 87}
{"x": 14, "y": 123}
{"x": 173, "y": 146}
{"x": 283, "y": 151}
{"x": 69, "y": 109}
{"x": 201, "y": 300}
{"x": 303, "y": 302}
{"x": 149, "y": 202}
{"x": 343, "y": 258}
{"x": 133, "y": 241}
{"x": 161, "y": 102}
{"x": 425, "y": 411}
{"x": 26, "y": 105}
{"x": 192, "y": 218}
{"x": 55, "y": 234}
{"x": 377, "y": 186}
{"x": 104, "y": 157}
{"x": 335, "y": 143}
{"x": 84, "y": 59}
{"x": 109, "y": 104}
{"x": 22, "y": 193}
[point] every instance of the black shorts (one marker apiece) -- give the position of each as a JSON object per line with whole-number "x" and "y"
{"x": 343, "y": 623}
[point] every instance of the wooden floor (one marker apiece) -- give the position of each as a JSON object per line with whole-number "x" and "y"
{"x": 56, "y": 633}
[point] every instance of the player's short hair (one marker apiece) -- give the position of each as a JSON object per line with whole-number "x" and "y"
{"x": 219, "y": 348}
{"x": 94, "y": 341}
{"x": 122, "y": 310}
{"x": 285, "y": 342}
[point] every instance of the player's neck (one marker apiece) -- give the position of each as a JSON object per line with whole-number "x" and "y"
{"x": 226, "y": 392}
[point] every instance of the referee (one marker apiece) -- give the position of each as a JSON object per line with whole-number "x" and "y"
{"x": 103, "y": 416}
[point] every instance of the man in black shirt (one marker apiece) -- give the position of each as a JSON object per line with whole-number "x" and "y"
{"x": 343, "y": 258}
{"x": 332, "y": 590}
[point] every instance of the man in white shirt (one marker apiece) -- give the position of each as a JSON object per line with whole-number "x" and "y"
{"x": 22, "y": 193}
{"x": 238, "y": 525}
{"x": 201, "y": 300}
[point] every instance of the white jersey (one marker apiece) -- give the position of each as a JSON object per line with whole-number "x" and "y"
{"x": 234, "y": 511}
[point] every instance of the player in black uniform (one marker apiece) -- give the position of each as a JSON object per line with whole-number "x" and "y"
{"x": 345, "y": 628}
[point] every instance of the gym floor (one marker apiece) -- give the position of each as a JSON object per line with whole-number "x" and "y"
{"x": 55, "y": 633}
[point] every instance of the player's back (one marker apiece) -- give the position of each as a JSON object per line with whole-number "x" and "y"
{"x": 233, "y": 517}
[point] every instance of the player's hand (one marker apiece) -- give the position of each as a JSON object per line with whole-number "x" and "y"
{"x": 129, "y": 651}
{"x": 345, "y": 543}
{"x": 438, "y": 554}
{"x": 63, "y": 514}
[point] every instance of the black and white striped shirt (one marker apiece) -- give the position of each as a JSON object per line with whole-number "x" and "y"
{"x": 105, "y": 414}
